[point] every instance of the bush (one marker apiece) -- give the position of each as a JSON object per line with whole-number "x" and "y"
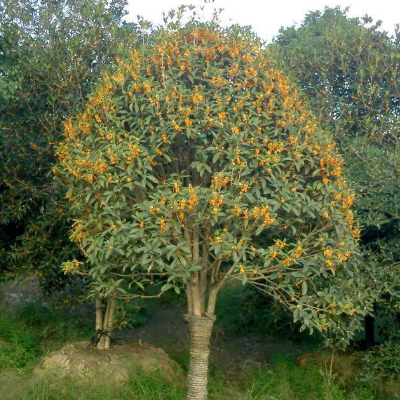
{"x": 247, "y": 310}
{"x": 382, "y": 362}
{"x": 18, "y": 347}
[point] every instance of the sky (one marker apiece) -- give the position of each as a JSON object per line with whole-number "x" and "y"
{"x": 268, "y": 16}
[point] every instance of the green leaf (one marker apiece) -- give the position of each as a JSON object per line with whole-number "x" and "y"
{"x": 166, "y": 287}
{"x": 298, "y": 274}
{"x": 304, "y": 288}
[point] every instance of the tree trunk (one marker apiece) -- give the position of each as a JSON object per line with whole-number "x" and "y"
{"x": 109, "y": 322}
{"x": 99, "y": 314}
{"x": 200, "y": 332}
{"x": 104, "y": 324}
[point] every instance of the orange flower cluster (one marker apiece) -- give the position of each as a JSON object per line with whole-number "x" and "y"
{"x": 220, "y": 180}
{"x": 343, "y": 257}
{"x": 237, "y": 211}
{"x": 193, "y": 200}
{"x": 134, "y": 150}
{"x": 197, "y": 97}
{"x": 216, "y": 201}
{"x": 69, "y": 129}
{"x": 163, "y": 225}
{"x": 331, "y": 165}
{"x": 262, "y": 212}
{"x": 297, "y": 252}
{"x": 280, "y": 244}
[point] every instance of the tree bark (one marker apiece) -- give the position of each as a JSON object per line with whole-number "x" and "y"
{"x": 104, "y": 324}
{"x": 200, "y": 329}
{"x": 99, "y": 314}
{"x": 109, "y": 322}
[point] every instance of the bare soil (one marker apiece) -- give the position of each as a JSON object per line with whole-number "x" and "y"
{"x": 163, "y": 344}
{"x": 166, "y": 328}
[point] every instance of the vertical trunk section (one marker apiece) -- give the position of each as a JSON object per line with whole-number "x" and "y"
{"x": 99, "y": 338}
{"x": 99, "y": 314}
{"x": 200, "y": 332}
{"x": 109, "y": 322}
{"x": 101, "y": 344}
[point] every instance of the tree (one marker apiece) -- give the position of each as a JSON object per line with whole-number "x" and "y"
{"x": 195, "y": 163}
{"x": 51, "y": 53}
{"x": 349, "y": 70}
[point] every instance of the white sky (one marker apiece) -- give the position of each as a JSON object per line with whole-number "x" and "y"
{"x": 267, "y": 16}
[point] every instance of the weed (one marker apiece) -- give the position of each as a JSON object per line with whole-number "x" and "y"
{"x": 18, "y": 347}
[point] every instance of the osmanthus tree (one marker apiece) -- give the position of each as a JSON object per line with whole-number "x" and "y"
{"x": 349, "y": 70}
{"x": 196, "y": 163}
{"x": 51, "y": 53}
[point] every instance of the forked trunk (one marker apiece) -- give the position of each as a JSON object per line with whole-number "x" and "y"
{"x": 200, "y": 329}
{"x": 104, "y": 324}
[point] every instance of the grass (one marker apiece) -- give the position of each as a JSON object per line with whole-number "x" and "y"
{"x": 282, "y": 381}
{"x": 287, "y": 381}
{"x": 36, "y": 330}
{"x": 22, "y": 386}
{"x": 33, "y": 331}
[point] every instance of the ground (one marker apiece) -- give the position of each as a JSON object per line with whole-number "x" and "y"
{"x": 82, "y": 360}
{"x": 166, "y": 328}
{"x": 161, "y": 341}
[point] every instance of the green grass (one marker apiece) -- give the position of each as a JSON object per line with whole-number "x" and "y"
{"x": 287, "y": 381}
{"x": 22, "y": 386}
{"x": 282, "y": 381}
{"x": 18, "y": 344}
{"x": 33, "y": 331}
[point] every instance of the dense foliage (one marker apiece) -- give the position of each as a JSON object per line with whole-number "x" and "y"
{"x": 51, "y": 53}
{"x": 191, "y": 150}
{"x": 349, "y": 70}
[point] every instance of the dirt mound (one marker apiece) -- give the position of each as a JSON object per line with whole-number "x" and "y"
{"x": 116, "y": 364}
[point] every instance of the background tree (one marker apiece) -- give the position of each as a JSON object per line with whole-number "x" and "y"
{"x": 51, "y": 53}
{"x": 188, "y": 152}
{"x": 349, "y": 70}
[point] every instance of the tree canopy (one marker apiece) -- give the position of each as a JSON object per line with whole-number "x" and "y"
{"x": 195, "y": 161}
